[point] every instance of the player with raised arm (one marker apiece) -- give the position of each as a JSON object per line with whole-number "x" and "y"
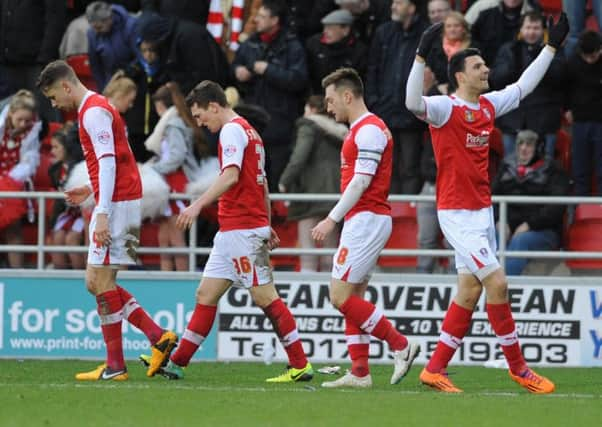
{"x": 366, "y": 164}
{"x": 115, "y": 223}
{"x": 460, "y": 126}
{"x": 239, "y": 255}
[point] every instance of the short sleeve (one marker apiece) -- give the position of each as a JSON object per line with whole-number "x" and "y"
{"x": 98, "y": 123}
{"x": 438, "y": 110}
{"x": 504, "y": 100}
{"x": 233, "y": 141}
{"x": 371, "y": 142}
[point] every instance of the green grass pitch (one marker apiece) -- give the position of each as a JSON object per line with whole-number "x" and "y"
{"x": 44, "y": 393}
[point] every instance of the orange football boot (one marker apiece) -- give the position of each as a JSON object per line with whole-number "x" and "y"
{"x": 533, "y": 382}
{"x": 438, "y": 381}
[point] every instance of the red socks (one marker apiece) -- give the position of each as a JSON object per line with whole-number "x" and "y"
{"x": 286, "y": 329}
{"x": 455, "y": 325}
{"x": 502, "y": 323}
{"x": 368, "y": 318}
{"x": 197, "y": 330}
{"x": 135, "y": 314}
{"x": 358, "y": 344}
{"x": 109, "y": 309}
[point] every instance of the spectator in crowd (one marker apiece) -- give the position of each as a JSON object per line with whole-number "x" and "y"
{"x": 531, "y": 227}
{"x": 187, "y": 52}
{"x": 314, "y": 167}
{"x": 121, "y": 92}
{"x": 300, "y": 17}
{"x": 112, "y": 40}
{"x": 173, "y": 143}
{"x": 77, "y": 8}
{"x": 271, "y": 72}
{"x": 335, "y": 47}
{"x": 585, "y": 103}
{"x": 66, "y": 222}
{"x": 498, "y": 25}
{"x": 541, "y": 110}
{"x": 368, "y": 15}
{"x": 454, "y": 38}
{"x": 576, "y": 10}
{"x": 30, "y": 34}
{"x": 19, "y": 159}
{"x": 149, "y": 75}
{"x": 475, "y": 7}
{"x": 196, "y": 11}
{"x": 390, "y": 59}
{"x": 438, "y": 10}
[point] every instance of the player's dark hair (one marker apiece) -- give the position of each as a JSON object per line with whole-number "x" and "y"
{"x": 347, "y": 78}
{"x": 589, "y": 42}
{"x": 206, "y": 92}
{"x": 457, "y": 64}
{"x": 53, "y": 72}
{"x": 533, "y": 16}
{"x": 277, "y": 8}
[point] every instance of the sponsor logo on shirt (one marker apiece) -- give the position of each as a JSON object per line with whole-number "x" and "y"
{"x": 229, "y": 150}
{"x": 476, "y": 141}
{"x": 103, "y": 137}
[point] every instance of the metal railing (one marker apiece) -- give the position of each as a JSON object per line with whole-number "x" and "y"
{"x": 41, "y": 248}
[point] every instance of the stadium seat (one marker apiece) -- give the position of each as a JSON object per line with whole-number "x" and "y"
{"x": 563, "y": 150}
{"x": 585, "y": 234}
{"x": 288, "y": 233}
{"x": 149, "y": 238}
{"x": 403, "y": 235}
{"x": 81, "y": 66}
{"x": 551, "y": 7}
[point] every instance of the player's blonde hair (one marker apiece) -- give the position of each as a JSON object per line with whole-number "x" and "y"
{"x": 120, "y": 84}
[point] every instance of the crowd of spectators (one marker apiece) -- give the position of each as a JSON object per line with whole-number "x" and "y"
{"x": 273, "y": 55}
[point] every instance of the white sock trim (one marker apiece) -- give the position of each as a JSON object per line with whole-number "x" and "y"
{"x": 449, "y": 340}
{"x": 129, "y": 307}
{"x": 369, "y": 325}
{"x": 109, "y": 319}
{"x": 357, "y": 339}
{"x": 290, "y": 338}
{"x": 193, "y": 337}
{"x": 508, "y": 339}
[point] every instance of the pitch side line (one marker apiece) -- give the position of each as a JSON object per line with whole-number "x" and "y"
{"x": 301, "y": 389}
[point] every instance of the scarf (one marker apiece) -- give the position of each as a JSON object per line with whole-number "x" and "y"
{"x": 270, "y": 36}
{"x": 215, "y": 20}
{"x": 450, "y": 47}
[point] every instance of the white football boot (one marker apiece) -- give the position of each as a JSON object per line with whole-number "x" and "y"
{"x": 349, "y": 380}
{"x": 402, "y": 361}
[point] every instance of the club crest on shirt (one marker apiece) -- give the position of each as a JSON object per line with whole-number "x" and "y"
{"x": 229, "y": 150}
{"x": 103, "y": 136}
{"x": 469, "y": 116}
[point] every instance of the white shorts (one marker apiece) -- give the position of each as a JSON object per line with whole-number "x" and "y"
{"x": 362, "y": 239}
{"x": 241, "y": 256}
{"x": 472, "y": 235}
{"x": 124, "y": 225}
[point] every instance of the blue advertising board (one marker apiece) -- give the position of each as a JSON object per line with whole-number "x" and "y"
{"x": 56, "y": 317}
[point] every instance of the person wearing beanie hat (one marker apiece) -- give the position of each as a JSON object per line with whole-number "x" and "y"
{"x": 531, "y": 227}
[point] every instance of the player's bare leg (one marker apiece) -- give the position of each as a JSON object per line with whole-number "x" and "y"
{"x": 267, "y": 298}
{"x": 208, "y": 293}
{"x": 502, "y": 322}
{"x": 100, "y": 281}
{"x": 454, "y": 328}
{"x": 362, "y": 320}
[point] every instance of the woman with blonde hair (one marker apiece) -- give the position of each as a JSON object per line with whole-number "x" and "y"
{"x": 19, "y": 159}
{"x": 121, "y": 91}
{"x": 455, "y": 36}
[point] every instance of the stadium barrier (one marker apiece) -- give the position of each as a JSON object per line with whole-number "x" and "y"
{"x": 48, "y": 314}
{"x": 41, "y": 248}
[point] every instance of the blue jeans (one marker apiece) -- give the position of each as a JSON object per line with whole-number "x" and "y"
{"x": 586, "y": 155}
{"x": 529, "y": 241}
{"x": 509, "y": 141}
{"x": 575, "y": 10}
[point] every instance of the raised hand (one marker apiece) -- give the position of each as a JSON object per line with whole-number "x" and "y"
{"x": 428, "y": 38}
{"x": 557, "y": 32}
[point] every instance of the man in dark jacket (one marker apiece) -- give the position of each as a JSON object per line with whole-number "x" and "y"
{"x": 335, "y": 47}
{"x": 192, "y": 10}
{"x": 30, "y": 35}
{"x": 271, "y": 72}
{"x": 585, "y": 102}
{"x": 541, "y": 110}
{"x": 496, "y": 26}
{"x": 531, "y": 227}
{"x": 187, "y": 51}
{"x": 112, "y": 40}
{"x": 390, "y": 60}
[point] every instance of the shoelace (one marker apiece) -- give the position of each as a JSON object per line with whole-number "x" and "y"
{"x": 530, "y": 375}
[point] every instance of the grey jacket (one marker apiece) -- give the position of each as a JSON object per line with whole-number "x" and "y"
{"x": 314, "y": 166}
{"x": 177, "y": 150}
